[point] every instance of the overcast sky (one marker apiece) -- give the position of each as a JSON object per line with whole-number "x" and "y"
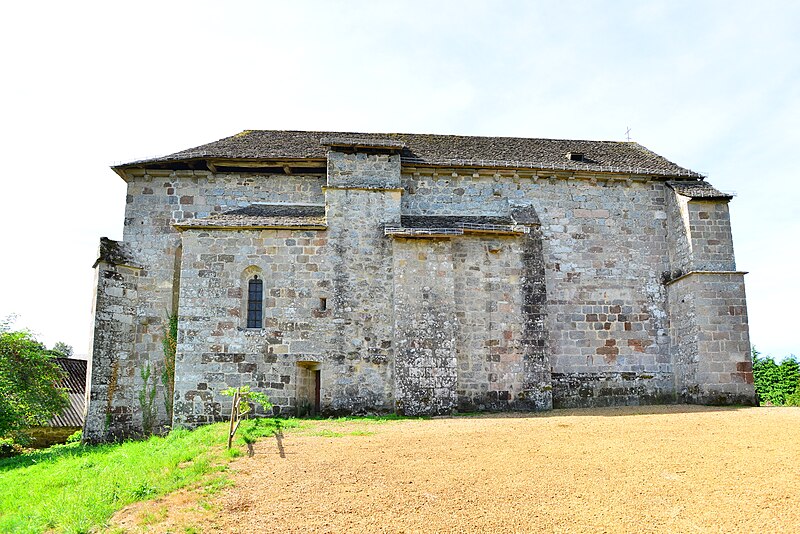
{"x": 713, "y": 86}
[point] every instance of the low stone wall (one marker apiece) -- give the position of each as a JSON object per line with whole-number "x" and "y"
{"x": 46, "y": 436}
{"x": 592, "y": 390}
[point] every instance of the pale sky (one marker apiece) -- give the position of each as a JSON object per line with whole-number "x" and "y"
{"x": 712, "y": 86}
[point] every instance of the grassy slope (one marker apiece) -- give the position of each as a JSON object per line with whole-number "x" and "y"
{"x": 71, "y": 488}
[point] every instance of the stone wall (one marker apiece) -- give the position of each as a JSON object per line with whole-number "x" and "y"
{"x": 216, "y": 350}
{"x": 111, "y": 377}
{"x": 605, "y": 248}
{"x": 713, "y": 361}
{"x": 360, "y": 377}
{"x": 364, "y": 169}
{"x": 596, "y": 305}
{"x": 708, "y": 310}
{"x": 424, "y": 329}
{"x": 47, "y": 436}
{"x": 503, "y": 363}
{"x": 156, "y": 200}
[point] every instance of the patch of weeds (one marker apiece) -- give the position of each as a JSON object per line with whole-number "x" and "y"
{"x": 361, "y": 433}
{"x": 191, "y": 530}
{"x": 233, "y": 453}
{"x": 142, "y": 491}
{"x": 205, "y": 505}
{"x": 325, "y": 433}
{"x": 213, "y": 486}
{"x": 151, "y": 518}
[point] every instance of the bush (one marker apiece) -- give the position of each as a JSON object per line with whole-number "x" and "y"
{"x": 776, "y": 383}
{"x": 794, "y": 398}
{"x": 29, "y": 374}
{"x": 9, "y": 448}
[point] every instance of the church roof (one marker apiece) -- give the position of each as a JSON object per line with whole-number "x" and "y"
{"x": 440, "y": 150}
{"x": 262, "y": 216}
{"x": 699, "y": 189}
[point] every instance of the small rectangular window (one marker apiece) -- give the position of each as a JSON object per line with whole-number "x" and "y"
{"x": 323, "y": 304}
{"x": 255, "y": 302}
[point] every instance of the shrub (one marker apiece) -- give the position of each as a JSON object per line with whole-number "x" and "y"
{"x": 776, "y": 383}
{"x": 29, "y": 394}
{"x": 9, "y": 448}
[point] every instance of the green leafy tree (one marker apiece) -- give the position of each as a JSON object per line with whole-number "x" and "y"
{"x": 789, "y": 377}
{"x": 29, "y": 378}
{"x": 5, "y": 322}
{"x": 776, "y": 383}
{"x": 63, "y": 349}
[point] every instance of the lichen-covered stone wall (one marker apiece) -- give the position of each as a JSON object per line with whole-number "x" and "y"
{"x": 599, "y": 302}
{"x": 111, "y": 373}
{"x": 605, "y": 251}
{"x": 710, "y": 343}
{"x": 216, "y": 350}
{"x": 157, "y": 199}
{"x": 425, "y": 322}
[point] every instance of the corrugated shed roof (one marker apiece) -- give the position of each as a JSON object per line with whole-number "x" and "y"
{"x": 440, "y": 150}
{"x": 75, "y": 382}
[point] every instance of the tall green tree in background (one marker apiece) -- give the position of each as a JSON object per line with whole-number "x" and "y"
{"x": 776, "y": 383}
{"x": 29, "y": 394}
{"x": 63, "y": 349}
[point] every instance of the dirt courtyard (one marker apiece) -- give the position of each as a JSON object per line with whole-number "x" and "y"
{"x": 633, "y": 469}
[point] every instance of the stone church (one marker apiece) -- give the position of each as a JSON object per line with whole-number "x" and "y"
{"x": 354, "y": 273}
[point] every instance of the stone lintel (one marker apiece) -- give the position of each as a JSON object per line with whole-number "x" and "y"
{"x": 690, "y": 273}
{"x": 363, "y": 188}
{"x": 394, "y": 231}
{"x": 182, "y": 227}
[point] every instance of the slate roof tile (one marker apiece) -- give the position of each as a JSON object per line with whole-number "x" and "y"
{"x": 699, "y": 189}
{"x": 262, "y": 216}
{"x": 440, "y": 150}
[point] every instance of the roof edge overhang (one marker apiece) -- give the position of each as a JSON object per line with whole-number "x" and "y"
{"x": 319, "y": 165}
{"x": 217, "y": 164}
{"x": 518, "y": 167}
{"x": 189, "y": 226}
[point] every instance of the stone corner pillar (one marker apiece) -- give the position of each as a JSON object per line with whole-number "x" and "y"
{"x": 109, "y": 405}
{"x": 709, "y": 334}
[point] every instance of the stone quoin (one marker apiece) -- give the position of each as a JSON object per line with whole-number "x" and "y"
{"x": 353, "y": 273}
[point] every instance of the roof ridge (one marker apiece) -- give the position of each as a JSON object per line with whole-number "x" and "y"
{"x": 434, "y": 149}
{"x": 461, "y": 136}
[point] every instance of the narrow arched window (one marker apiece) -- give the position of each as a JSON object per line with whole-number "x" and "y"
{"x": 255, "y": 302}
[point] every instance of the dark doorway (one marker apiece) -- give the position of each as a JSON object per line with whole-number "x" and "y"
{"x": 317, "y": 388}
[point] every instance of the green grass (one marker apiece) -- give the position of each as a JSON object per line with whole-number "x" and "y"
{"x": 73, "y": 488}
{"x": 76, "y": 488}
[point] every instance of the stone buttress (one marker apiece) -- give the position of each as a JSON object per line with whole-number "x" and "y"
{"x": 361, "y": 196}
{"x": 110, "y": 400}
{"x": 708, "y": 312}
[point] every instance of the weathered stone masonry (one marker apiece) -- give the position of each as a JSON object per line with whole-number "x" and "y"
{"x": 417, "y": 274}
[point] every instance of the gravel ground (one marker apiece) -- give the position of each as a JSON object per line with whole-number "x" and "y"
{"x": 633, "y": 469}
